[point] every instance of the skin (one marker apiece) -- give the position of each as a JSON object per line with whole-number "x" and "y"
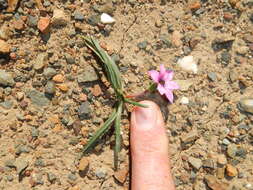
{"x": 149, "y": 150}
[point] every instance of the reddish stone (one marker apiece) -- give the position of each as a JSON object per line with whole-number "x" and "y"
{"x": 195, "y": 6}
{"x": 13, "y": 55}
{"x": 96, "y": 91}
{"x": 44, "y": 24}
{"x": 228, "y": 16}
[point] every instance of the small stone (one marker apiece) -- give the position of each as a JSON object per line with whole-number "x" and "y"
{"x": 38, "y": 98}
{"x": 212, "y": 76}
{"x": 195, "y": 6}
{"x": 228, "y": 16}
{"x": 51, "y": 177}
{"x": 83, "y": 164}
{"x": 195, "y": 162}
{"x": 78, "y": 16}
{"x": 9, "y": 177}
{"x": 189, "y": 137}
{"x": 94, "y": 20}
{"x": 72, "y": 177}
{"x": 220, "y": 43}
{"x": 84, "y": 110}
{"x": 5, "y": 32}
{"x": 10, "y": 163}
{"x": 19, "y": 24}
{"x": 100, "y": 173}
{"x": 50, "y": 88}
{"x": 6, "y": 79}
{"x": 184, "y": 84}
{"x": 220, "y": 173}
{"x": 35, "y": 132}
{"x": 121, "y": 175}
{"x": 96, "y": 91}
{"x": 58, "y": 78}
{"x": 75, "y": 188}
{"x": 214, "y": 184}
{"x": 43, "y": 24}
{"x": 21, "y": 165}
{"x": 142, "y": 45}
{"x": 245, "y": 104}
{"x": 40, "y": 61}
{"x": 225, "y": 58}
{"x": 232, "y": 150}
{"x": 231, "y": 171}
{"x": 4, "y": 47}
{"x": 39, "y": 162}
{"x": 49, "y": 72}
{"x": 32, "y": 21}
{"x": 221, "y": 159}
{"x": 208, "y": 163}
{"x": 225, "y": 142}
{"x": 106, "y": 19}
{"x": 60, "y": 18}
{"x": 20, "y": 96}
{"x": 83, "y": 97}
{"x": 6, "y": 104}
{"x": 69, "y": 59}
{"x": 188, "y": 63}
{"x": 176, "y": 39}
{"x": 88, "y": 75}
{"x": 63, "y": 87}
{"x": 184, "y": 100}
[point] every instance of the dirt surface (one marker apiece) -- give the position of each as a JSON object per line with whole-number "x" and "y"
{"x": 53, "y": 94}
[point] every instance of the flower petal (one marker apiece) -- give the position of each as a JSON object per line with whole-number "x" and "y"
{"x": 161, "y": 89}
{"x": 169, "y": 96}
{"x": 162, "y": 71}
{"x": 171, "y": 85}
{"x": 168, "y": 75}
{"x": 154, "y": 75}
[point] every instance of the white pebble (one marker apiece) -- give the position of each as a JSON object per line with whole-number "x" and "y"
{"x": 184, "y": 100}
{"x": 188, "y": 63}
{"x": 107, "y": 19}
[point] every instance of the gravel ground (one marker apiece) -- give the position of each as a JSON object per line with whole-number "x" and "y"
{"x": 54, "y": 95}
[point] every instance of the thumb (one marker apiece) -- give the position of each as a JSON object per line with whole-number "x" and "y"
{"x": 149, "y": 150}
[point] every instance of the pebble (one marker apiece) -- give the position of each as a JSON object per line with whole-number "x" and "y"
{"x": 245, "y": 104}
{"x": 78, "y": 16}
{"x": 195, "y": 162}
{"x": 106, "y": 19}
{"x": 212, "y": 76}
{"x": 176, "y": 39}
{"x": 225, "y": 141}
{"x": 32, "y": 21}
{"x": 49, "y": 73}
{"x": 60, "y": 18}
{"x": 184, "y": 100}
{"x": 100, "y": 173}
{"x": 19, "y": 24}
{"x": 184, "y": 84}
{"x": 121, "y": 175}
{"x": 4, "y": 47}
{"x": 50, "y": 88}
{"x": 43, "y": 24}
{"x": 88, "y": 75}
{"x": 232, "y": 150}
{"x": 63, "y": 87}
{"x": 40, "y": 61}
{"x": 190, "y": 137}
{"x": 83, "y": 164}
{"x": 208, "y": 163}
{"x": 35, "y": 132}
{"x": 5, "y": 32}
{"x": 39, "y": 162}
{"x": 10, "y": 163}
{"x": 142, "y": 45}
{"x": 221, "y": 159}
{"x": 220, "y": 43}
{"x": 69, "y": 59}
{"x": 20, "y": 96}
{"x": 231, "y": 171}
{"x": 84, "y": 110}
{"x": 72, "y": 177}
{"x": 59, "y": 78}
{"x": 225, "y": 58}
{"x": 21, "y": 165}
{"x": 94, "y": 20}
{"x": 188, "y": 63}
{"x": 215, "y": 184}
{"x": 195, "y": 6}
{"x": 6, "y": 79}
{"x": 6, "y": 104}
{"x": 51, "y": 177}
{"x": 38, "y": 98}
{"x": 9, "y": 177}
{"x": 96, "y": 90}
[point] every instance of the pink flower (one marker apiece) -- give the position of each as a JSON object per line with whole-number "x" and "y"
{"x": 165, "y": 85}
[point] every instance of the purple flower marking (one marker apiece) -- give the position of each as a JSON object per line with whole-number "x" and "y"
{"x": 165, "y": 85}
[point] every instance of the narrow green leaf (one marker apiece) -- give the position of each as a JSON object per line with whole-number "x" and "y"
{"x": 100, "y": 132}
{"x": 135, "y": 103}
{"x": 117, "y": 134}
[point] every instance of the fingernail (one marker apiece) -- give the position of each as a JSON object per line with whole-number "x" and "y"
{"x": 145, "y": 118}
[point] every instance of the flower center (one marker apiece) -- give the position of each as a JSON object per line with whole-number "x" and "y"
{"x": 162, "y": 82}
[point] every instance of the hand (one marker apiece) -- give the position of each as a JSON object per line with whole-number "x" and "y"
{"x": 149, "y": 150}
